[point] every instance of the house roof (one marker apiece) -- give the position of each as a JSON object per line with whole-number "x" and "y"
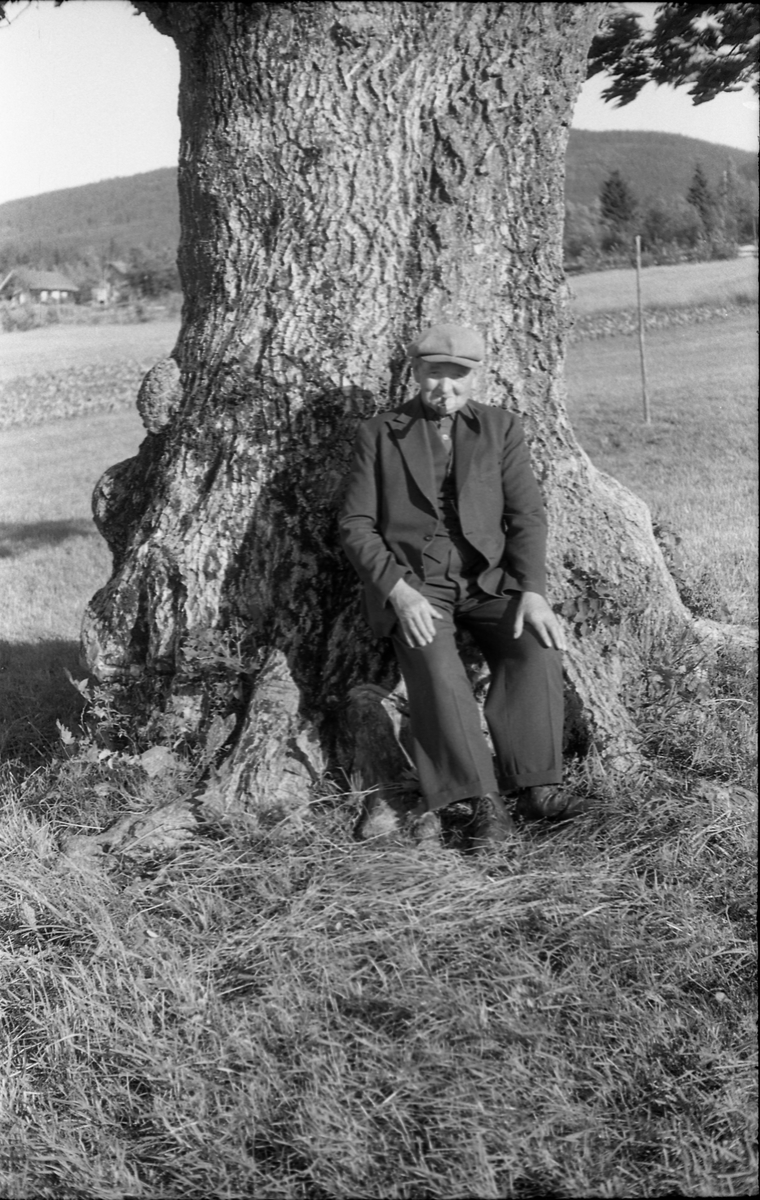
{"x": 42, "y": 280}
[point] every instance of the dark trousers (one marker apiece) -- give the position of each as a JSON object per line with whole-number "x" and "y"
{"x": 523, "y": 708}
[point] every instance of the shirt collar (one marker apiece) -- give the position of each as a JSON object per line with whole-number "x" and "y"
{"x": 422, "y": 410}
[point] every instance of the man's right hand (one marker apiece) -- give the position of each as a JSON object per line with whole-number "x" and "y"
{"x": 415, "y": 613}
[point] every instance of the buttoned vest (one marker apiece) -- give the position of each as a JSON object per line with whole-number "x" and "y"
{"x": 449, "y": 529}
{"x": 445, "y": 486}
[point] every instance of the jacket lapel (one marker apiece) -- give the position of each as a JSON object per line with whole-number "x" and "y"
{"x": 411, "y": 437}
{"x": 466, "y": 434}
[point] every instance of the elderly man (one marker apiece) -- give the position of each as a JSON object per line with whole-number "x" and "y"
{"x": 444, "y": 523}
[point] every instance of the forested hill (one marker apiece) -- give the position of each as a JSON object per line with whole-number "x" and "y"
{"x": 106, "y": 219}
{"x": 140, "y": 212}
{"x": 655, "y": 165}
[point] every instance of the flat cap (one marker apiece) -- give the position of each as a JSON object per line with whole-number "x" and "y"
{"x": 449, "y": 343}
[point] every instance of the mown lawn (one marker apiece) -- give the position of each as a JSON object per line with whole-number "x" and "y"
{"x": 61, "y": 347}
{"x": 683, "y": 284}
{"x": 52, "y": 560}
{"x": 696, "y": 464}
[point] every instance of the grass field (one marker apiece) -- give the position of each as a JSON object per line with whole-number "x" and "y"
{"x": 76, "y": 370}
{"x": 688, "y": 283}
{"x": 51, "y": 555}
{"x": 59, "y": 347}
{"x": 52, "y": 560}
{"x": 696, "y": 465}
{"x": 292, "y": 1016}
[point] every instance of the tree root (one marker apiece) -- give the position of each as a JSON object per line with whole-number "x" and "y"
{"x": 137, "y": 835}
{"x": 719, "y": 636}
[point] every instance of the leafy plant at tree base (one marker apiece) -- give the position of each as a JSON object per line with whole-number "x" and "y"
{"x": 696, "y": 712}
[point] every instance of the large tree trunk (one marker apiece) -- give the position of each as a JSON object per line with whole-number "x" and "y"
{"x": 349, "y": 172}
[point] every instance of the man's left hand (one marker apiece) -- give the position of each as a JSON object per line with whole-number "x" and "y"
{"x": 534, "y": 611}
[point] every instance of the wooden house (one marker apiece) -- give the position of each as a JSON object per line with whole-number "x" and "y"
{"x": 22, "y": 286}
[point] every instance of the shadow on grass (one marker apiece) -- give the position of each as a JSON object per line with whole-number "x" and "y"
{"x": 19, "y": 538}
{"x": 35, "y": 692}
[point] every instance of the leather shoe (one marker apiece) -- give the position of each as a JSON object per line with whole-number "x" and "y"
{"x": 548, "y": 804}
{"x": 491, "y": 822}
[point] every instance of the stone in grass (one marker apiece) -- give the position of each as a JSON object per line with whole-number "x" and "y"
{"x": 136, "y": 835}
{"x": 158, "y": 760}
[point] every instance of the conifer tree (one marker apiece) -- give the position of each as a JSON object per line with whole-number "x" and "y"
{"x": 618, "y": 209}
{"x": 617, "y": 200}
{"x": 729, "y": 201}
{"x": 701, "y": 196}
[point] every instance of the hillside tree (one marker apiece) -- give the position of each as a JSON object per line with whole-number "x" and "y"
{"x": 152, "y": 272}
{"x": 581, "y": 232}
{"x": 736, "y": 201}
{"x": 349, "y": 172}
{"x": 672, "y": 222}
{"x": 618, "y": 207}
{"x": 700, "y": 196}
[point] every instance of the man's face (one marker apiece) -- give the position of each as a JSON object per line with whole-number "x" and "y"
{"x": 445, "y": 387}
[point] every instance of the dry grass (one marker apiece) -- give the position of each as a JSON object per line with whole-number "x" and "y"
{"x": 298, "y": 1016}
{"x": 685, "y": 284}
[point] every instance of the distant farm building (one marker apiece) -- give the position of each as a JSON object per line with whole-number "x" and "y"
{"x": 21, "y": 286}
{"x": 114, "y": 286}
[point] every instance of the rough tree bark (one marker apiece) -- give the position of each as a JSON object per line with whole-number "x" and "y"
{"x": 349, "y": 172}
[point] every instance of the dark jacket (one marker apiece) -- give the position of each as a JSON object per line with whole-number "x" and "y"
{"x": 389, "y": 513}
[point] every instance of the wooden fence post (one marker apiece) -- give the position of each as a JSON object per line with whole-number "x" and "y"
{"x": 647, "y": 415}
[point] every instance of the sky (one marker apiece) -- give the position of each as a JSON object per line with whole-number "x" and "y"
{"x": 88, "y": 91}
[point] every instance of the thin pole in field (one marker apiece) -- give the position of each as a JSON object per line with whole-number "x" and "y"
{"x": 647, "y": 415}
